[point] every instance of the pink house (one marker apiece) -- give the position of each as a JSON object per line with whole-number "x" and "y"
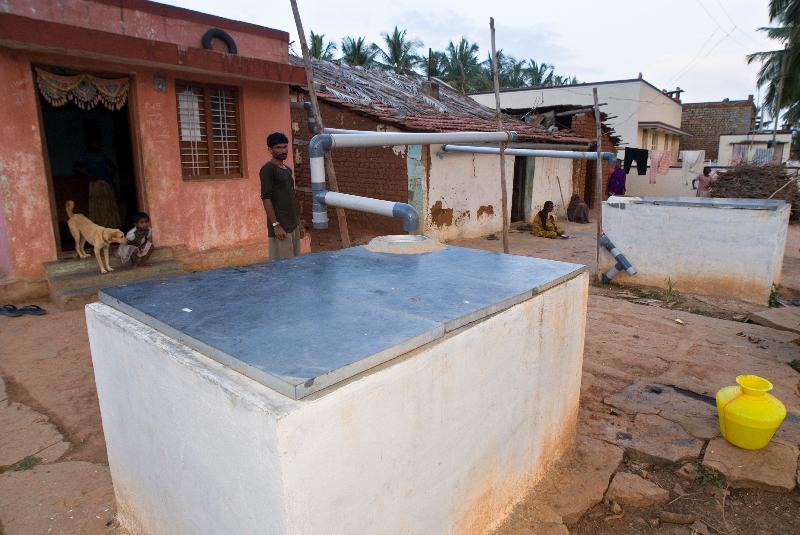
{"x": 178, "y": 103}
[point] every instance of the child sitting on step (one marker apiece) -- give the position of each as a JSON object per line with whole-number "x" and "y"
{"x": 140, "y": 241}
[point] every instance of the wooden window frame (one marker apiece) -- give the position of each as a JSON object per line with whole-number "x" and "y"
{"x": 209, "y": 129}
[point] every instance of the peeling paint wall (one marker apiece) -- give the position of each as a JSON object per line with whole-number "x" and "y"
{"x": 461, "y": 188}
{"x": 26, "y": 231}
{"x": 464, "y": 198}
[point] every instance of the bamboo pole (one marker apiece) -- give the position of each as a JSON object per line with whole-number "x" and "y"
{"x": 598, "y": 194}
{"x": 561, "y": 192}
{"x": 503, "y": 190}
{"x": 333, "y": 184}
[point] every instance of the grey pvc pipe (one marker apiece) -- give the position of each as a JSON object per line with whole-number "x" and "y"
{"x": 398, "y": 210}
{"x": 575, "y": 155}
{"x": 321, "y": 143}
{"x": 382, "y": 139}
{"x": 622, "y": 263}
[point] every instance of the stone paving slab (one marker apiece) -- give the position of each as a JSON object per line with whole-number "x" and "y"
{"x": 652, "y": 438}
{"x": 26, "y": 432}
{"x": 772, "y": 468}
{"x": 635, "y": 491}
{"x": 782, "y": 318}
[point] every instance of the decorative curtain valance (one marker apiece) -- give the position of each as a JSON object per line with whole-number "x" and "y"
{"x": 84, "y": 90}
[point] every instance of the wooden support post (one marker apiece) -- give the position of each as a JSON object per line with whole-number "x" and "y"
{"x": 598, "y": 195}
{"x": 333, "y": 184}
{"x": 503, "y": 190}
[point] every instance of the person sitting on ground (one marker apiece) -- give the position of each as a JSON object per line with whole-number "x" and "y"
{"x": 577, "y": 211}
{"x": 616, "y": 180}
{"x": 544, "y": 223}
{"x": 140, "y": 241}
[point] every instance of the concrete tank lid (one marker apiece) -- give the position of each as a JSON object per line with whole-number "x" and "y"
{"x": 701, "y": 202}
{"x": 303, "y": 324}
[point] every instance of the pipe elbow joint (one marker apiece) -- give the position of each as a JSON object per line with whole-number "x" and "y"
{"x": 319, "y": 144}
{"x": 319, "y": 210}
{"x": 408, "y": 214}
{"x": 610, "y": 157}
{"x": 605, "y": 241}
{"x": 512, "y": 136}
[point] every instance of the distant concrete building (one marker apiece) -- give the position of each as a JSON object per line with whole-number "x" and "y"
{"x": 707, "y": 121}
{"x": 641, "y": 114}
{"x": 754, "y": 147}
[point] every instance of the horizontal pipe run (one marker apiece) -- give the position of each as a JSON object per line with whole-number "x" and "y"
{"x": 575, "y": 155}
{"x": 402, "y": 211}
{"x": 345, "y": 131}
{"x": 382, "y": 139}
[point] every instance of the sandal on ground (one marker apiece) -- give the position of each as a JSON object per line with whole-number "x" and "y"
{"x": 10, "y": 311}
{"x": 33, "y": 310}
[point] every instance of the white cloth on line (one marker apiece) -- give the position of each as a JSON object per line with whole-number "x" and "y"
{"x": 692, "y": 163}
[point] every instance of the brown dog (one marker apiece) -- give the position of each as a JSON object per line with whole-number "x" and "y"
{"x": 101, "y": 238}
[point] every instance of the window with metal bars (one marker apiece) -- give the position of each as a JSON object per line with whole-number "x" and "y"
{"x": 208, "y": 124}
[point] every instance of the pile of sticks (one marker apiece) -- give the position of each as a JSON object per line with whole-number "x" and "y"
{"x": 759, "y": 182}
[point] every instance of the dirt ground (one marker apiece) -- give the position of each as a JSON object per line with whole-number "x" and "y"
{"x": 631, "y": 337}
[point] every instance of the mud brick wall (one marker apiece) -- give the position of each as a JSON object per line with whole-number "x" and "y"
{"x": 375, "y": 172}
{"x": 584, "y": 126}
{"x": 706, "y": 121}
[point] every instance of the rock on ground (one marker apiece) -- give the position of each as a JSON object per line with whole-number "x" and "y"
{"x": 697, "y": 417}
{"x": 652, "y": 438}
{"x": 771, "y": 468}
{"x": 635, "y": 491}
{"x": 26, "y": 432}
{"x": 67, "y": 497}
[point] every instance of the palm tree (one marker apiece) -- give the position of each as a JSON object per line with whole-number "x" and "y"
{"x": 318, "y": 48}
{"x": 782, "y": 63}
{"x": 462, "y": 68}
{"x": 356, "y": 52}
{"x": 400, "y": 52}
{"x": 539, "y": 74}
{"x": 435, "y": 65}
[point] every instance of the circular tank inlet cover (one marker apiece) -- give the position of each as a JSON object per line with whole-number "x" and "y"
{"x": 403, "y": 244}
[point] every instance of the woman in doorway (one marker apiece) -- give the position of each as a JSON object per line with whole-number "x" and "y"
{"x": 99, "y": 171}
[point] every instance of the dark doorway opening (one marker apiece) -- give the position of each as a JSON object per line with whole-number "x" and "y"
{"x": 589, "y": 185}
{"x": 518, "y": 191}
{"x": 85, "y": 148}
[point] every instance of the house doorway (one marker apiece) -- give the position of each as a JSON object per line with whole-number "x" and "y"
{"x": 519, "y": 190}
{"x": 87, "y": 143}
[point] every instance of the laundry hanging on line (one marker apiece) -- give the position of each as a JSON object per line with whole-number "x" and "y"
{"x": 659, "y": 163}
{"x": 692, "y": 163}
{"x": 636, "y": 155}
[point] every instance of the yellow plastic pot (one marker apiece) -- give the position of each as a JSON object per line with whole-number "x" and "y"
{"x": 748, "y": 416}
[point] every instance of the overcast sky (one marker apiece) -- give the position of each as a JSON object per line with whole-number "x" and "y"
{"x": 699, "y": 45}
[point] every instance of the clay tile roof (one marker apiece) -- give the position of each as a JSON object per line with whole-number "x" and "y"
{"x": 398, "y": 100}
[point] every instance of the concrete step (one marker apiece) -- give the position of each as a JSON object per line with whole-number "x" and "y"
{"x": 74, "y": 290}
{"x": 59, "y": 268}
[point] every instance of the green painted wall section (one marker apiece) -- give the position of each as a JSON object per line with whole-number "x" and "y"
{"x": 530, "y": 167}
{"x": 416, "y": 180}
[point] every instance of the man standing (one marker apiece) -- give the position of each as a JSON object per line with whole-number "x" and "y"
{"x": 277, "y": 194}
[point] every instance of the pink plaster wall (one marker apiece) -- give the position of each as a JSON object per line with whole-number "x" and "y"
{"x": 26, "y": 231}
{"x": 206, "y": 214}
{"x": 148, "y": 20}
